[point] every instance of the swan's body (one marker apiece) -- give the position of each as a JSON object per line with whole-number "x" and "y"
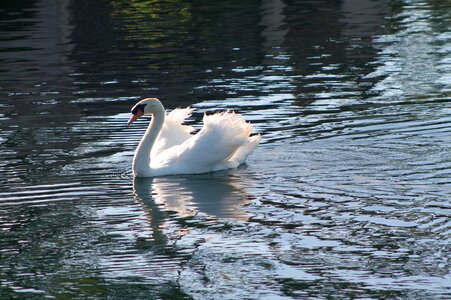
{"x": 168, "y": 148}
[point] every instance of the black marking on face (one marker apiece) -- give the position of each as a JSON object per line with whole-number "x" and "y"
{"x": 138, "y": 107}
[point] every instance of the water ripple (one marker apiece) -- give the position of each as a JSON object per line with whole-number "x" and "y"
{"x": 347, "y": 195}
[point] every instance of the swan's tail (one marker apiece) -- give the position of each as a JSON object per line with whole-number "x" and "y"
{"x": 243, "y": 152}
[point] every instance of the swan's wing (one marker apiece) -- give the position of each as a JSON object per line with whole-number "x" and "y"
{"x": 212, "y": 147}
{"x": 173, "y": 132}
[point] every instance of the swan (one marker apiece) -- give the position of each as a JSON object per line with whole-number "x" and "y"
{"x": 168, "y": 147}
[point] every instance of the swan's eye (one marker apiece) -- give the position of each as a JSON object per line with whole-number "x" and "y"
{"x": 138, "y": 107}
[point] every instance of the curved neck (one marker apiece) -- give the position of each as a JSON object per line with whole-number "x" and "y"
{"x": 141, "y": 159}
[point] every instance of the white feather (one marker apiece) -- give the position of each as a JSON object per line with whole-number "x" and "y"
{"x": 223, "y": 142}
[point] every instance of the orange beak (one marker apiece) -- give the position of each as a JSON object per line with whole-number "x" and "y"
{"x": 135, "y": 117}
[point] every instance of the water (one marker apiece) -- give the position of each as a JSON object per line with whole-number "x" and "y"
{"x": 348, "y": 196}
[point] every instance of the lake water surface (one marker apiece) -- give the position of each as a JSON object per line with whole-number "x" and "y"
{"x": 348, "y": 195}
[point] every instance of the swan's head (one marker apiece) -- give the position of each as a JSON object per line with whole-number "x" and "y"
{"x": 146, "y": 106}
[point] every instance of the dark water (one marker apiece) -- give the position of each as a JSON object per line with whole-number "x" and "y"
{"x": 348, "y": 196}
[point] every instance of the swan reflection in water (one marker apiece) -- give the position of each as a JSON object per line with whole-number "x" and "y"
{"x": 158, "y": 235}
{"x": 214, "y": 195}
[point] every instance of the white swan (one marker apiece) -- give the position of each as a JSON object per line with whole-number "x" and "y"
{"x": 168, "y": 148}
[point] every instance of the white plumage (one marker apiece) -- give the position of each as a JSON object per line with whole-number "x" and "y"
{"x": 168, "y": 148}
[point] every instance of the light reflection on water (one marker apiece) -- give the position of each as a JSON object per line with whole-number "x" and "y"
{"x": 210, "y": 195}
{"x": 347, "y": 196}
